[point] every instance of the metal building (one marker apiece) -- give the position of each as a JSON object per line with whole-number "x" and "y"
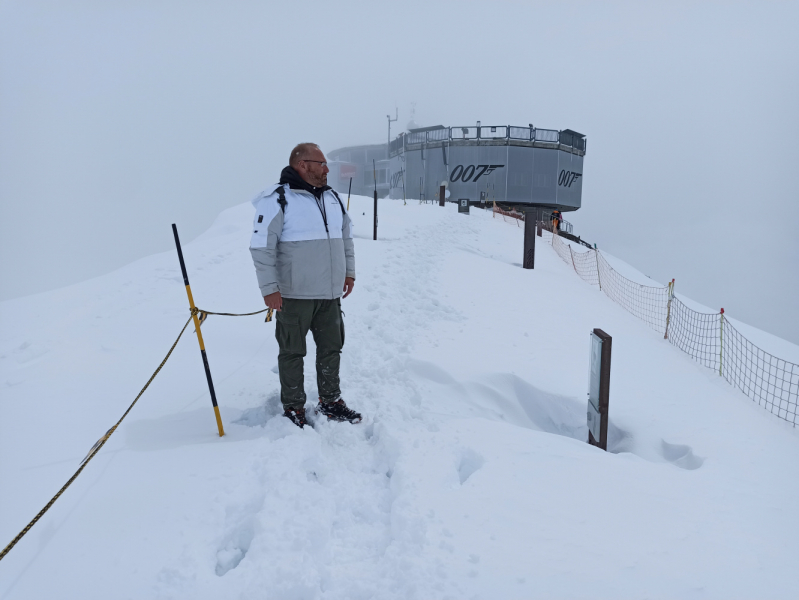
{"x": 363, "y": 164}
{"x": 514, "y": 166}
{"x": 520, "y": 166}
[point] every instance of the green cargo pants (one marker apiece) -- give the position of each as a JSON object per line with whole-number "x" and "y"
{"x": 323, "y": 318}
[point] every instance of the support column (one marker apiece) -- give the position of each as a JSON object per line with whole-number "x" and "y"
{"x": 528, "y": 261}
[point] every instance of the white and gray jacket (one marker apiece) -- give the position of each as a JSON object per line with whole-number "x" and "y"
{"x": 305, "y": 250}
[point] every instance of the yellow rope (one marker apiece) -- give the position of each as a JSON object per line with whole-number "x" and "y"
{"x": 94, "y": 450}
{"x": 203, "y": 314}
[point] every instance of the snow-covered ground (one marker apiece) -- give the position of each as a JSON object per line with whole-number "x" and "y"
{"x": 469, "y": 478}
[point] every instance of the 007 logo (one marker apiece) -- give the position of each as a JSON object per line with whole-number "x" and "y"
{"x": 465, "y": 174}
{"x": 567, "y": 178}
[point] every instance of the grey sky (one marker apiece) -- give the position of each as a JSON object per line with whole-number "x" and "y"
{"x": 119, "y": 117}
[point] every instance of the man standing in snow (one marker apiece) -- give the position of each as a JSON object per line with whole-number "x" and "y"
{"x": 304, "y": 258}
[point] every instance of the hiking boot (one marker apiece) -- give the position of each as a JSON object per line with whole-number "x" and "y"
{"x": 338, "y": 411}
{"x": 297, "y": 416}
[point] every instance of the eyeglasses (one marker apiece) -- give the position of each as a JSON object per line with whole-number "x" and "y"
{"x": 324, "y": 164}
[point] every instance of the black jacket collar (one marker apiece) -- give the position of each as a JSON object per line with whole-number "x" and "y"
{"x": 290, "y": 176}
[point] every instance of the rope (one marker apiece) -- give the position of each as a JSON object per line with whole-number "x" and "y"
{"x": 95, "y": 449}
{"x": 203, "y": 314}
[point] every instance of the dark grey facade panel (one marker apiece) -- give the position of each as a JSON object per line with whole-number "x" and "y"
{"x": 545, "y": 172}
{"x": 506, "y": 173}
{"x": 569, "y": 179}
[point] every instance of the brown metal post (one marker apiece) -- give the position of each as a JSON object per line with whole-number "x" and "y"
{"x": 441, "y": 195}
{"x": 604, "y": 391}
{"x": 528, "y": 261}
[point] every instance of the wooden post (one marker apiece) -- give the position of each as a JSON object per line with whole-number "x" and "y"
{"x": 668, "y": 309}
{"x": 721, "y": 342}
{"x": 442, "y": 191}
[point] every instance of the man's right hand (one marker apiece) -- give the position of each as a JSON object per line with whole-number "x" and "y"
{"x": 274, "y": 301}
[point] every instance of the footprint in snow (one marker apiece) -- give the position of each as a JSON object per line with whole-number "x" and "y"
{"x": 681, "y": 456}
{"x": 469, "y": 464}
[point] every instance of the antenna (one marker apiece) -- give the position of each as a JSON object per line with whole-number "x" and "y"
{"x": 390, "y": 121}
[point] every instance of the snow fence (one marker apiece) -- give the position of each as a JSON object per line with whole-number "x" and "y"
{"x": 709, "y": 338}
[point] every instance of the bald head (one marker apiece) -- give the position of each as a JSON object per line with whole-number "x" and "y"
{"x": 310, "y": 163}
{"x": 302, "y": 152}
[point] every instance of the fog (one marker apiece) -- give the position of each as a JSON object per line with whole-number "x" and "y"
{"x": 118, "y": 118}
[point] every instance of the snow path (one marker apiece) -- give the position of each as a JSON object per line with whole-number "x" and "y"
{"x": 469, "y": 477}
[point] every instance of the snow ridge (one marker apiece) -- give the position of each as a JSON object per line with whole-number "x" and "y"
{"x": 469, "y": 477}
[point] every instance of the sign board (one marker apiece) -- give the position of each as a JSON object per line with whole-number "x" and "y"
{"x": 463, "y": 205}
{"x": 599, "y": 388}
{"x": 347, "y": 171}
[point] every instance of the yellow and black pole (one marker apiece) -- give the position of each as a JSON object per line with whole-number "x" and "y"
{"x": 199, "y": 333}
{"x": 348, "y": 195}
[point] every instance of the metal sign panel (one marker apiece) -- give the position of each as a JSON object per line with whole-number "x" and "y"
{"x": 599, "y": 388}
{"x": 463, "y": 205}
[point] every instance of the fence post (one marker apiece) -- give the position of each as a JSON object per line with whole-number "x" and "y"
{"x": 598, "y": 276}
{"x": 572, "y": 255}
{"x": 721, "y": 342}
{"x": 442, "y": 194}
{"x": 668, "y": 309}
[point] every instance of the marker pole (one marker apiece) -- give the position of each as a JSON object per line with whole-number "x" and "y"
{"x": 348, "y": 195}
{"x": 374, "y": 171}
{"x": 199, "y": 333}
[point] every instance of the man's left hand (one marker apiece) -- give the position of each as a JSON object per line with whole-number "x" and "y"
{"x": 349, "y": 283}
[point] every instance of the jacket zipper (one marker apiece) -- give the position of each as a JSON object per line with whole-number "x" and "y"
{"x": 329, "y": 248}
{"x": 327, "y": 231}
{"x": 323, "y": 212}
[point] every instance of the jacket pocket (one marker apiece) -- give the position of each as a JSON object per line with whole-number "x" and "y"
{"x": 289, "y": 334}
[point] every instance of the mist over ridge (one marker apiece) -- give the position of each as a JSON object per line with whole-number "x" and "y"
{"x": 117, "y": 119}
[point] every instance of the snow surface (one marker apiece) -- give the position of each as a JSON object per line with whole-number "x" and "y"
{"x": 469, "y": 477}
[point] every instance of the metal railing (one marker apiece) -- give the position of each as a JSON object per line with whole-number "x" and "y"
{"x": 564, "y": 225}
{"x": 488, "y": 132}
{"x": 546, "y": 135}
